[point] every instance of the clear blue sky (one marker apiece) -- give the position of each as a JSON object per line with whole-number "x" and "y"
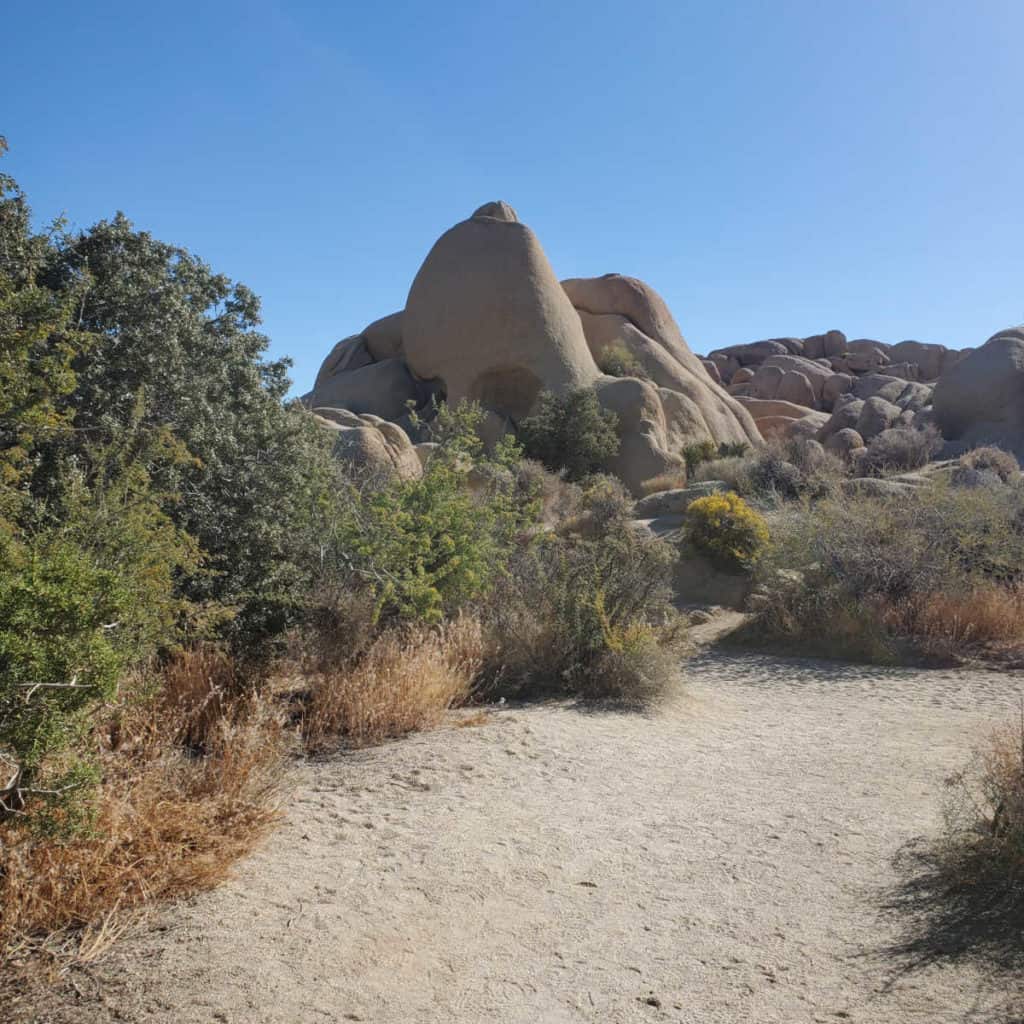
{"x": 773, "y": 168}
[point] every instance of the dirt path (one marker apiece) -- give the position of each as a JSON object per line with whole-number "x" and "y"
{"x": 729, "y": 859}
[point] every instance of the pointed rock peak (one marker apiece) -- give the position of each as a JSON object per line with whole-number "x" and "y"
{"x": 497, "y": 211}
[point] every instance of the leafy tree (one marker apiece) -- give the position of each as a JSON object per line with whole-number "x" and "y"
{"x": 171, "y": 330}
{"x": 426, "y": 547}
{"x": 570, "y": 432}
{"x": 80, "y": 601}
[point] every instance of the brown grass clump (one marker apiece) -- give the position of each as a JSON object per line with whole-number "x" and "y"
{"x": 406, "y": 681}
{"x": 1001, "y": 463}
{"x": 169, "y": 821}
{"x": 985, "y": 813}
{"x": 950, "y": 622}
{"x": 664, "y": 482}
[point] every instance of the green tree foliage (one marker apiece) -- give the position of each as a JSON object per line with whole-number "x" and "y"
{"x": 38, "y": 341}
{"x": 171, "y": 329}
{"x": 80, "y": 601}
{"x": 150, "y": 471}
{"x": 426, "y": 547}
{"x": 570, "y": 432}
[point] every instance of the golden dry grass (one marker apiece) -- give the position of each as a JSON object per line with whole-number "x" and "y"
{"x": 985, "y": 813}
{"x": 664, "y": 482}
{"x": 954, "y": 623}
{"x": 405, "y": 682}
{"x": 170, "y": 820}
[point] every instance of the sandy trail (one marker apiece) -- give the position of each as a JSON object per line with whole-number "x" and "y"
{"x": 728, "y": 859}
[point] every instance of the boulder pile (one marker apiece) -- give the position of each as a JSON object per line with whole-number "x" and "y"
{"x": 487, "y": 320}
{"x": 841, "y": 392}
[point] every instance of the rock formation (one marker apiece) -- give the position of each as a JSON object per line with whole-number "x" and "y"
{"x": 980, "y": 400}
{"x": 820, "y": 373}
{"x": 487, "y": 320}
{"x": 487, "y": 316}
{"x": 371, "y": 444}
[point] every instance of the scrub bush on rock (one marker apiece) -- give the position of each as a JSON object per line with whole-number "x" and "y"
{"x": 726, "y": 529}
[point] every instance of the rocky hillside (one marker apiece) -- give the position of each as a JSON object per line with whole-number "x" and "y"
{"x": 487, "y": 320}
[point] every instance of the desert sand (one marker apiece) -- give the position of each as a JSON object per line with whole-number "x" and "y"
{"x": 748, "y": 853}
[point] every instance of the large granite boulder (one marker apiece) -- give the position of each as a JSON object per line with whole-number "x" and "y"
{"x": 931, "y": 360}
{"x": 619, "y": 310}
{"x": 488, "y": 319}
{"x": 370, "y": 444}
{"x": 645, "y": 450}
{"x": 383, "y": 389}
{"x": 980, "y": 399}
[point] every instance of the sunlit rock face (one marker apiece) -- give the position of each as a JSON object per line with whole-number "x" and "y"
{"x": 488, "y": 321}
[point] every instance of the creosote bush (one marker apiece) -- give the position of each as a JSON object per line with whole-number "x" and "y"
{"x": 899, "y": 449}
{"x": 618, "y": 361}
{"x": 726, "y": 529}
{"x": 585, "y": 611}
{"x": 570, "y": 433}
{"x": 936, "y": 571}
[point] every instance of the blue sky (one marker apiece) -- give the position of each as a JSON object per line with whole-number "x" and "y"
{"x": 772, "y": 168}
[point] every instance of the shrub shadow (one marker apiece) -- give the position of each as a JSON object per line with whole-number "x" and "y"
{"x": 981, "y": 922}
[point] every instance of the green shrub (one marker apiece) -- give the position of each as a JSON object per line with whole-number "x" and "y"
{"x": 618, "y": 361}
{"x": 584, "y": 612}
{"x": 78, "y": 605}
{"x": 899, "y": 449}
{"x": 726, "y": 529}
{"x": 921, "y": 570}
{"x": 424, "y": 548}
{"x": 697, "y": 453}
{"x": 571, "y": 433}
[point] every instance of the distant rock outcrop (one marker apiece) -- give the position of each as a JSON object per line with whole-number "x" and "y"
{"x": 815, "y": 373}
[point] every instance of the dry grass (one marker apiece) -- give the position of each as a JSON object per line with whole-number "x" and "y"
{"x": 670, "y": 481}
{"x": 169, "y": 821}
{"x": 985, "y": 815}
{"x": 406, "y": 681}
{"x": 558, "y": 498}
{"x": 983, "y": 617}
{"x": 1001, "y": 464}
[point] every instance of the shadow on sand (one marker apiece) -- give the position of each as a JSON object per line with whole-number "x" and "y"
{"x": 946, "y": 923}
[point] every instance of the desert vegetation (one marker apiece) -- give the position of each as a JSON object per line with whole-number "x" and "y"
{"x": 984, "y": 842}
{"x": 199, "y": 587}
{"x": 932, "y": 571}
{"x": 194, "y": 591}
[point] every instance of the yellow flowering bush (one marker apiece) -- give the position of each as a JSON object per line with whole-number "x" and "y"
{"x": 726, "y": 529}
